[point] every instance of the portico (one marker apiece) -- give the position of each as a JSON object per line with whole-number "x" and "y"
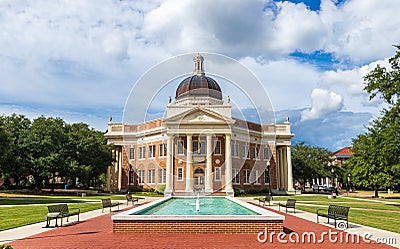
{"x": 198, "y": 147}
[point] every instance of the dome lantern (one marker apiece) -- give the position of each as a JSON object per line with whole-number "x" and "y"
{"x": 198, "y": 88}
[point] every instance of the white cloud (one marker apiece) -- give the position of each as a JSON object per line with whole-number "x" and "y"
{"x": 82, "y": 54}
{"x": 323, "y": 102}
{"x": 298, "y": 28}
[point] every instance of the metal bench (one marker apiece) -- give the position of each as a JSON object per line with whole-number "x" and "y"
{"x": 106, "y": 203}
{"x": 60, "y": 211}
{"x": 130, "y": 198}
{"x": 265, "y": 199}
{"x": 337, "y": 213}
{"x": 290, "y": 203}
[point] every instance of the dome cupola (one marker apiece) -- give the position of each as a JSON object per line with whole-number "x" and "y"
{"x": 198, "y": 87}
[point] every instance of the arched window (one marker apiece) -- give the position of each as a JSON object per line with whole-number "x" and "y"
{"x": 199, "y": 171}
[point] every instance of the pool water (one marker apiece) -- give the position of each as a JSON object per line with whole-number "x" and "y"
{"x": 187, "y": 206}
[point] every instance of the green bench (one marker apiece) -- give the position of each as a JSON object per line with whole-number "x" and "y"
{"x": 60, "y": 211}
{"x": 336, "y": 213}
{"x": 130, "y": 198}
{"x": 106, "y": 203}
{"x": 290, "y": 203}
{"x": 265, "y": 199}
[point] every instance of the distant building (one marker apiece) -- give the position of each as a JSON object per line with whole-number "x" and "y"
{"x": 341, "y": 156}
{"x": 200, "y": 147}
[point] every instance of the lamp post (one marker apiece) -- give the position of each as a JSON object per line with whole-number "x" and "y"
{"x": 269, "y": 178}
{"x": 333, "y": 183}
{"x": 129, "y": 178}
{"x": 348, "y": 180}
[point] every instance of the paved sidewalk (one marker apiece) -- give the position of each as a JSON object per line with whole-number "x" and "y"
{"x": 10, "y": 235}
{"x": 376, "y": 234}
{"x": 95, "y": 231}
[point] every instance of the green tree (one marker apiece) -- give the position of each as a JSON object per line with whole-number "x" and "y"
{"x": 15, "y": 161}
{"x": 45, "y": 147}
{"x": 88, "y": 152}
{"x": 4, "y": 145}
{"x": 309, "y": 162}
{"x": 376, "y": 159}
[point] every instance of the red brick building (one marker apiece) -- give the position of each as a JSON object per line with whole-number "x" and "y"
{"x": 200, "y": 147}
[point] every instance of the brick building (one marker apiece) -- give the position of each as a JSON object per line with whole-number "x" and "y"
{"x": 199, "y": 147}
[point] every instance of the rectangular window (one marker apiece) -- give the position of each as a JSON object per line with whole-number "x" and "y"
{"x": 236, "y": 176}
{"x": 235, "y": 150}
{"x": 246, "y": 176}
{"x": 257, "y": 176}
{"x": 132, "y": 153}
{"x": 163, "y": 150}
{"x": 180, "y": 147}
{"x": 162, "y": 175}
{"x": 202, "y": 147}
{"x": 142, "y": 152}
{"x": 267, "y": 153}
{"x": 180, "y": 174}
{"x": 152, "y": 151}
{"x": 151, "y": 176}
{"x": 246, "y": 152}
{"x": 195, "y": 147}
{"x": 256, "y": 153}
{"x": 218, "y": 173}
{"x": 199, "y": 147}
{"x": 140, "y": 176}
{"x": 217, "y": 147}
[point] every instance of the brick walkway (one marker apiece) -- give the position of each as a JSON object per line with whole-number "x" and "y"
{"x": 97, "y": 233}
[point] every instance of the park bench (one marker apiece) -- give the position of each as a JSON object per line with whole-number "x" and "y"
{"x": 265, "y": 199}
{"x": 290, "y": 203}
{"x": 337, "y": 213}
{"x": 130, "y": 198}
{"x": 60, "y": 211}
{"x": 106, "y": 203}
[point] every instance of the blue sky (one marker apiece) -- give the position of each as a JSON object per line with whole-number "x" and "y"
{"x": 80, "y": 59}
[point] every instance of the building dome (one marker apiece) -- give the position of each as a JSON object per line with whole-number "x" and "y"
{"x": 198, "y": 85}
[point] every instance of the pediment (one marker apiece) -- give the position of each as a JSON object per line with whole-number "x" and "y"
{"x": 198, "y": 116}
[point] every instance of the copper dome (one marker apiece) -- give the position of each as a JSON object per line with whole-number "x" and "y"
{"x": 198, "y": 84}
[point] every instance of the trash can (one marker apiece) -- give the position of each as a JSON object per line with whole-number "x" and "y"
{"x": 83, "y": 194}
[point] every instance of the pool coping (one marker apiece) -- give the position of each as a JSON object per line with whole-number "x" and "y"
{"x": 264, "y": 215}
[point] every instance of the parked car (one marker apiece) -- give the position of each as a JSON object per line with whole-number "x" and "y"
{"x": 317, "y": 188}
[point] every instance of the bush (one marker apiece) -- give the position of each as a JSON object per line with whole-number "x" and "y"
{"x": 135, "y": 188}
{"x": 6, "y": 247}
{"x": 236, "y": 190}
{"x": 161, "y": 188}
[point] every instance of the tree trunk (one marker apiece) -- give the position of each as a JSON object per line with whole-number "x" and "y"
{"x": 376, "y": 192}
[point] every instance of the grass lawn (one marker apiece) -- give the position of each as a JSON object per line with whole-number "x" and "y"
{"x": 21, "y": 213}
{"x": 16, "y": 216}
{"x": 378, "y": 214}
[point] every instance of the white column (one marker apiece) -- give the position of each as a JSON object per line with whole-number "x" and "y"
{"x": 228, "y": 165}
{"x": 289, "y": 169}
{"x": 209, "y": 176}
{"x": 277, "y": 166}
{"x": 285, "y": 170}
{"x": 281, "y": 173}
{"x": 168, "y": 180}
{"x": 189, "y": 164}
{"x": 119, "y": 169}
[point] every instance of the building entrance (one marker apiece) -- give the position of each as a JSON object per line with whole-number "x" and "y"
{"x": 198, "y": 178}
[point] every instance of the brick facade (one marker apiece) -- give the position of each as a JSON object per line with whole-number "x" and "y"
{"x": 194, "y": 226}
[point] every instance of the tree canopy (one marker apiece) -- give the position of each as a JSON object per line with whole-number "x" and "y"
{"x": 376, "y": 154}
{"x": 39, "y": 150}
{"x": 309, "y": 162}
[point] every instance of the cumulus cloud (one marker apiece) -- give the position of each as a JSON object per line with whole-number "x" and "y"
{"x": 323, "y": 103}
